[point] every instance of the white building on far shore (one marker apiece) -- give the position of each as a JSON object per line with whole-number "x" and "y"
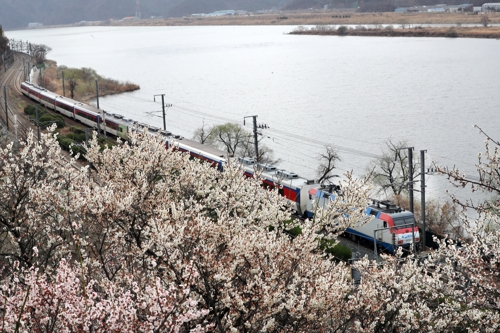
{"x": 35, "y": 25}
{"x": 490, "y": 7}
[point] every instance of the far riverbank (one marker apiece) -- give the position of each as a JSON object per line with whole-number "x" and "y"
{"x": 319, "y": 17}
{"x": 390, "y": 31}
{"x": 309, "y": 18}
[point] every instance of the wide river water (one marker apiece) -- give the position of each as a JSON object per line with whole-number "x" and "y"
{"x": 352, "y": 93}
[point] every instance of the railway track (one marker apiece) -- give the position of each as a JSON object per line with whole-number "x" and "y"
{"x": 11, "y": 79}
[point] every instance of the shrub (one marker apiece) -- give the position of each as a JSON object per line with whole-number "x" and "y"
{"x": 29, "y": 110}
{"x": 389, "y": 27}
{"x": 339, "y": 251}
{"x": 77, "y": 130}
{"x": 65, "y": 142}
{"x": 76, "y": 149}
{"x": 47, "y": 119}
{"x": 451, "y": 33}
{"x": 342, "y": 30}
{"x": 294, "y": 232}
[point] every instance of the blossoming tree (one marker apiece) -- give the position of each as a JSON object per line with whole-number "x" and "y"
{"x": 151, "y": 241}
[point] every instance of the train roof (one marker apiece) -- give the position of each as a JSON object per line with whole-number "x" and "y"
{"x": 64, "y": 99}
{"x": 272, "y": 173}
{"x": 201, "y": 147}
{"x": 387, "y": 207}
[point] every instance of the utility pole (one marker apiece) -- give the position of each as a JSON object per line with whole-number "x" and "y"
{"x": 163, "y": 105}
{"x": 422, "y": 192}
{"x": 64, "y": 90}
{"x": 6, "y": 111}
{"x": 410, "y": 171}
{"x": 256, "y": 142}
{"x": 86, "y": 147}
{"x": 15, "y": 127}
{"x": 97, "y": 92}
{"x": 104, "y": 123}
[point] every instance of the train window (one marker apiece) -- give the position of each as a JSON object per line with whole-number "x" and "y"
{"x": 385, "y": 224}
{"x": 410, "y": 220}
{"x": 281, "y": 192}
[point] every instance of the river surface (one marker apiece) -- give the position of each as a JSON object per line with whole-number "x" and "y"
{"x": 352, "y": 93}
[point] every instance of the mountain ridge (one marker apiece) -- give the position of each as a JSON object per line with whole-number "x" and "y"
{"x": 17, "y": 14}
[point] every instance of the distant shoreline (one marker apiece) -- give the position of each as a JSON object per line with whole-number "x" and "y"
{"x": 327, "y": 17}
{"x": 389, "y": 31}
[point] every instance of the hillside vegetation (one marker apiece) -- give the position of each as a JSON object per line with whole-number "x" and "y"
{"x": 83, "y": 80}
{"x": 3, "y": 44}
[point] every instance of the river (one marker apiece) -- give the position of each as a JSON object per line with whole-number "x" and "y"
{"x": 352, "y": 93}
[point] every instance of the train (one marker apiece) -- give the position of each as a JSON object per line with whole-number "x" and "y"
{"x": 390, "y": 226}
{"x": 396, "y": 227}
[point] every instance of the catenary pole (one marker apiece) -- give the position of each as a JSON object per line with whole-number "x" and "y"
{"x": 97, "y": 92}
{"x": 104, "y": 122}
{"x": 163, "y": 110}
{"x": 163, "y": 105}
{"x": 422, "y": 192}
{"x": 64, "y": 90}
{"x": 256, "y": 142}
{"x": 410, "y": 172}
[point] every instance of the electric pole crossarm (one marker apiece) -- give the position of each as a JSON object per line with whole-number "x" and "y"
{"x": 163, "y": 105}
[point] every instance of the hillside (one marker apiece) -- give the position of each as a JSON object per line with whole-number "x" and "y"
{"x": 16, "y": 14}
{"x": 187, "y": 7}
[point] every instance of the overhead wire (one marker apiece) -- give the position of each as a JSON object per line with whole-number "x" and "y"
{"x": 276, "y": 133}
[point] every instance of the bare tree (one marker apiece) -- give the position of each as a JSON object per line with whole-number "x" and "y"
{"x": 391, "y": 170}
{"x": 72, "y": 86}
{"x": 328, "y": 159}
{"x": 266, "y": 155}
{"x": 40, "y": 53}
{"x": 202, "y": 135}
{"x": 485, "y": 20}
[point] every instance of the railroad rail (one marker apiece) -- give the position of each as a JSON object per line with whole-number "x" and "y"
{"x": 10, "y": 84}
